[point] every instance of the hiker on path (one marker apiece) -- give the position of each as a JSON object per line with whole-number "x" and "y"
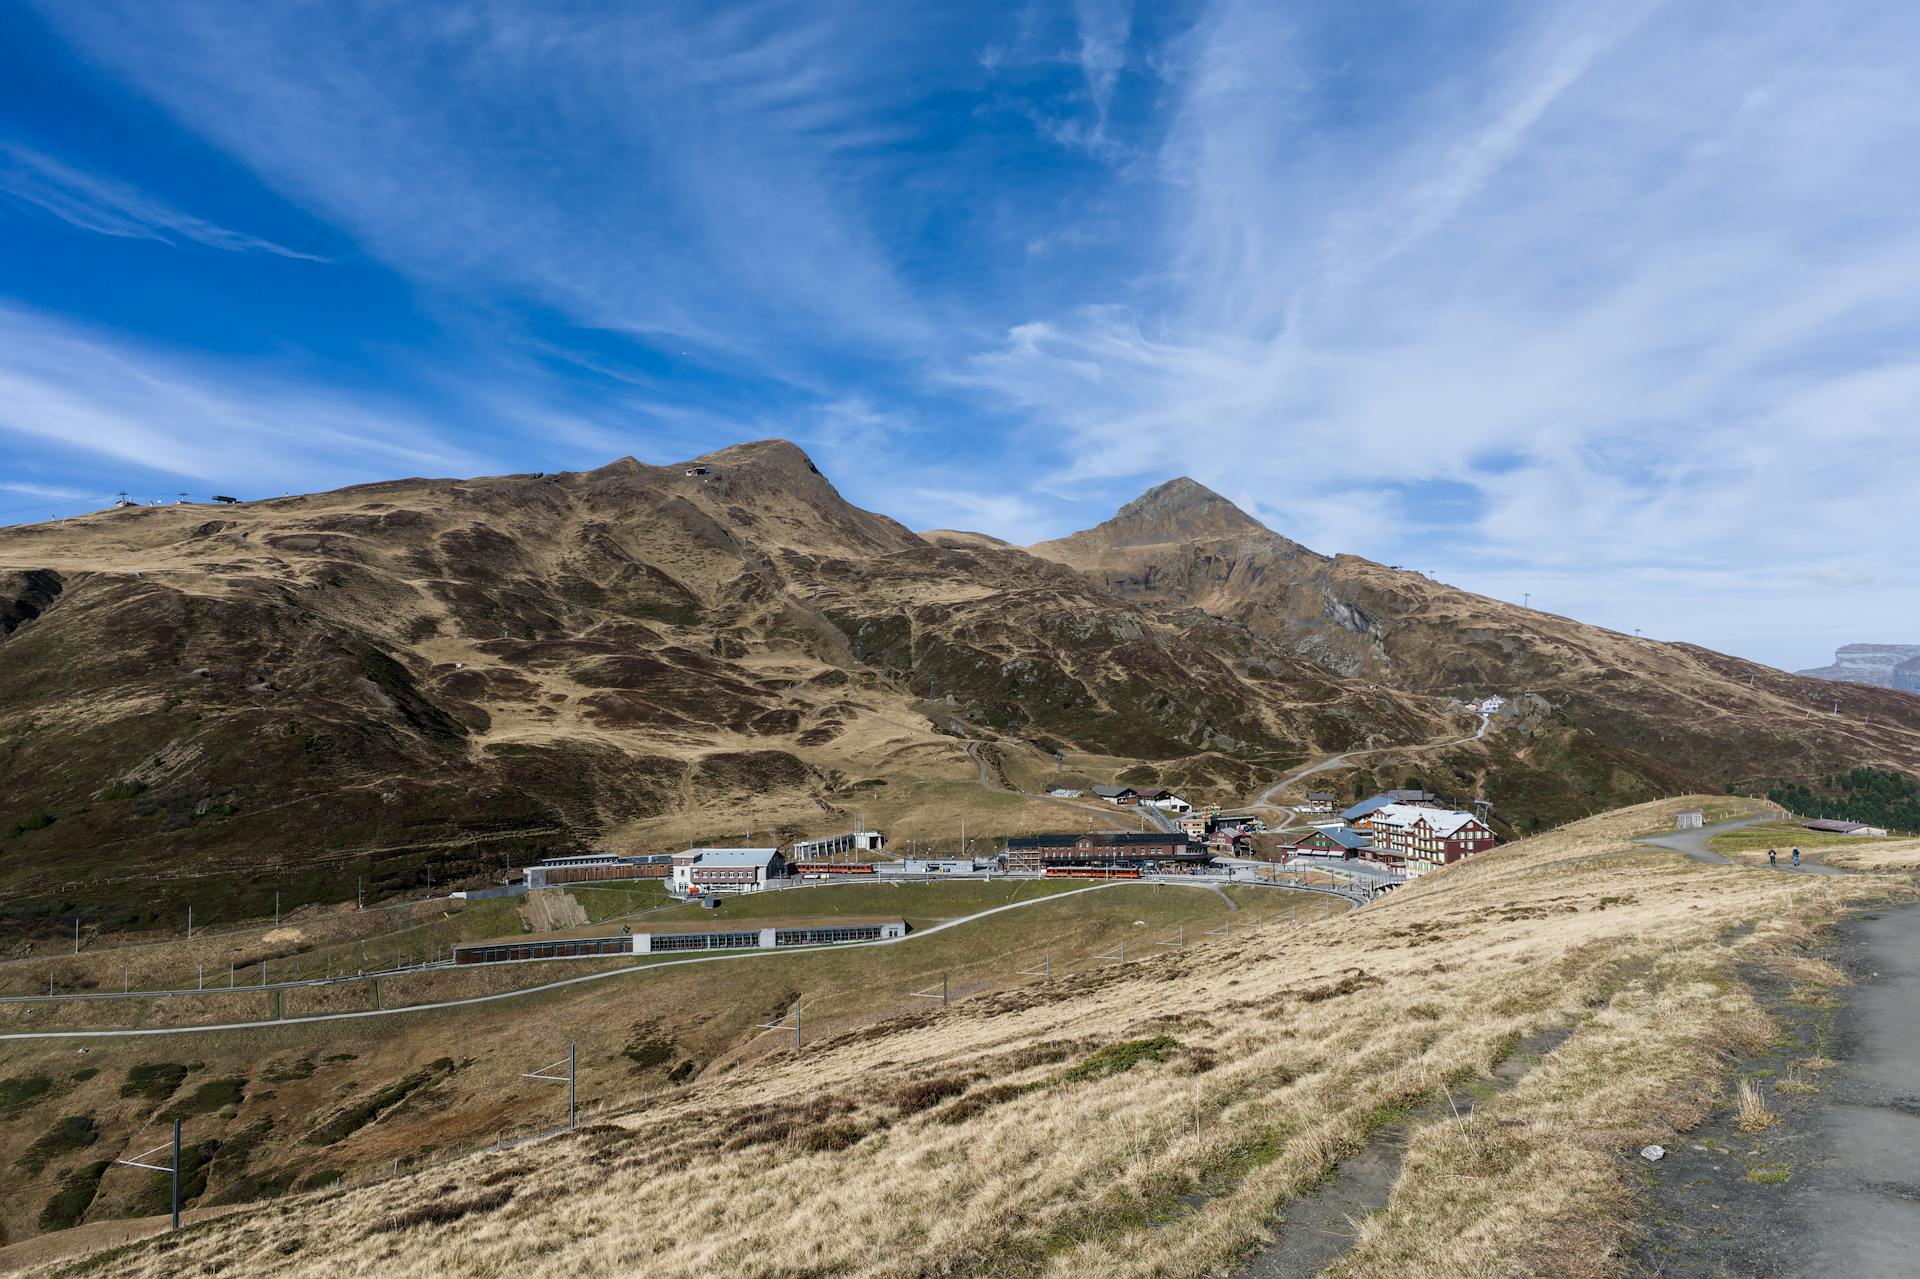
{"x": 1773, "y": 858}
{"x": 1796, "y": 857}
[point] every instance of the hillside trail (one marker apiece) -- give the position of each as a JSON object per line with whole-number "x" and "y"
{"x": 1104, "y": 812}
{"x": 1336, "y": 761}
{"x": 1851, "y": 1201}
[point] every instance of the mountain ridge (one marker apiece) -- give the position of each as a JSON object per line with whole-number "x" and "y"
{"x": 452, "y": 675}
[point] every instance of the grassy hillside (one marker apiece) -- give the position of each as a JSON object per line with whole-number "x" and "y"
{"x": 443, "y": 678}
{"x": 1160, "y": 1118}
{"x": 279, "y": 1107}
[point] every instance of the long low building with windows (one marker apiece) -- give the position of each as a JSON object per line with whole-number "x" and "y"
{"x": 1098, "y": 851}
{"x": 675, "y": 938}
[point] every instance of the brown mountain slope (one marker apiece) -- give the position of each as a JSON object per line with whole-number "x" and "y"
{"x": 206, "y": 704}
{"x": 1621, "y": 707}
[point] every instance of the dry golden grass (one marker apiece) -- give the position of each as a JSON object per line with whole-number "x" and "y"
{"x": 1247, "y": 1069}
{"x": 1874, "y": 855}
{"x": 1754, "y": 1114}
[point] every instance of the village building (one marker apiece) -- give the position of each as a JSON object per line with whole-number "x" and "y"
{"x": 1318, "y": 801}
{"x": 1104, "y": 854}
{"x": 1125, "y": 796}
{"x": 1423, "y": 839}
{"x": 1689, "y": 819}
{"x": 1833, "y": 826}
{"x": 1331, "y": 841}
{"x": 1360, "y": 816}
{"x": 1164, "y": 800}
{"x": 839, "y": 847}
{"x": 726, "y": 870}
{"x": 1195, "y": 825}
{"x": 585, "y": 868}
{"x": 664, "y": 938}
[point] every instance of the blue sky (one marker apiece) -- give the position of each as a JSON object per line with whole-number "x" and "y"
{"x": 1614, "y": 304}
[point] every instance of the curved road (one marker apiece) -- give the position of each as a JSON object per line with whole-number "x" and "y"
{"x": 1694, "y": 843}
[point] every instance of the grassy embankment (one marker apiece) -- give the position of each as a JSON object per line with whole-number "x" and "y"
{"x": 1156, "y": 1119}
{"x": 279, "y": 1107}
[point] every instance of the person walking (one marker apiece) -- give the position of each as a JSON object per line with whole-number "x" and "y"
{"x": 1796, "y": 857}
{"x": 1773, "y": 858}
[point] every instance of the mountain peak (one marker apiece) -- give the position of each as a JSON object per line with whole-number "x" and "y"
{"x": 1181, "y": 510}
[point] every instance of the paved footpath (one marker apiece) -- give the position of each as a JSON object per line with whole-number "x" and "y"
{"x": 1694, "y": 844}
{"x": 1857, "y": 1205}
{"x": 1853, "y": 1208}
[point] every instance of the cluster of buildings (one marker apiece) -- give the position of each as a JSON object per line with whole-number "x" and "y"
{"x": 1127, "y": 797}
{"x": 1407, "y": 830}
{"x": 1410, "y": 831}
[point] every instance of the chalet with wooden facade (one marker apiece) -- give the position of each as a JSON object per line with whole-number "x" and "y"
{"x": 1421, "y": 839}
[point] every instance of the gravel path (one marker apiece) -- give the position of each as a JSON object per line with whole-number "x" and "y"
{"x": 1850, "y": 1201}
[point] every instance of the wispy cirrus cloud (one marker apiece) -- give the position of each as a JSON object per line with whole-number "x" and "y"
{"x": 1611, "y": 301}
{"x": 132, "y": 406}
{"x": 673, "y": 172}
{"x": 109, "y": 207}
{"x": 1651, "y": 310}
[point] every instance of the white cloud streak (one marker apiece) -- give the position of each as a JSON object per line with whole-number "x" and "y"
{"x": 652, "y": 171}
{"x": 131, "y": 406}
{"x": 1633, "y": 286}
{"x": 104, "y": 206}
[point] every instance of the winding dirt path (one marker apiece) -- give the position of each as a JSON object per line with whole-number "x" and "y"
{"x": 1336, "y": 761}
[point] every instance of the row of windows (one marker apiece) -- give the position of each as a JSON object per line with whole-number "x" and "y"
{"x": 703, "y": 941}
{"x": 543, "y": 950}
{"x": 826, "y": 936}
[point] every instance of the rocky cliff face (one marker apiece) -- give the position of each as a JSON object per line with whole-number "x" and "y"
{"x": 1869, "y": 664}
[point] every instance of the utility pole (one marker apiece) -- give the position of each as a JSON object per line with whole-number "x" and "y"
{"x": 359, "y": 893}
{"x": 1526, "y": 599}
{"x": 782, "y": 1024}
{"x": 276, "y": 908}
{"x": 171, "y": 1169}
{"x": 568, "y": 1078}
{"x": 76, "y": 934}
{"x": 189, "y": 921}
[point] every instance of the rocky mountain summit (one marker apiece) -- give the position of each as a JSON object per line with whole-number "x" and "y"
{"x": 1881, "y": 665}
